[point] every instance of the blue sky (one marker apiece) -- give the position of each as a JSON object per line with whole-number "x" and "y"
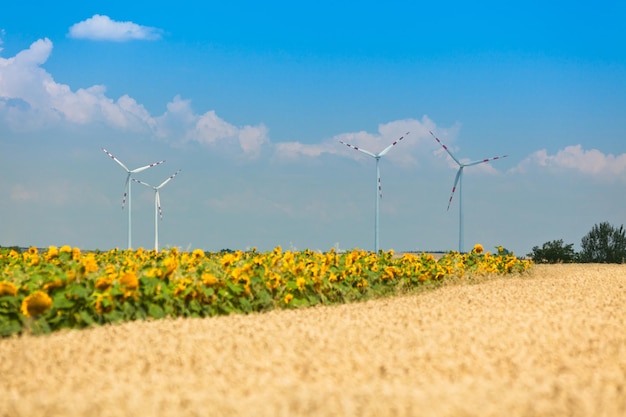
{"x": 250, "y": 100}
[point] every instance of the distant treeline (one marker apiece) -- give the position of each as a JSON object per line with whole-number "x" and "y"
{"x": 603, "y": 244}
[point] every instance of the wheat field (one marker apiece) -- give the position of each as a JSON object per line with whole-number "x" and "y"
{"x": 548, "y": 343}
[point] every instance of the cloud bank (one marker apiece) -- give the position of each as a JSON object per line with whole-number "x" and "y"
{"x": 591, "y": 162}
{"x": 102, "y": 28}
{"x": 408, "y": 147}
{"x": 31, "y": 100}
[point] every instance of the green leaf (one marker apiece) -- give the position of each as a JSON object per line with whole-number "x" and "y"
{"x": 234, "y": 288}
{"x": 155, "y": 311}
{"x": 9, "y": 327}
{"x": 78, "y": 291}
{"x": 245, "y": 304}
{"x": 61, "y": 302}
{"x": 86, "y": 317}
{"x": 114, "y": 316}
{"x": 300, "y": 302}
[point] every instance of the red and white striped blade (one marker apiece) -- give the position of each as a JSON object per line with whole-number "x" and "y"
{"x": 126, "y": 185}
{"x": 158, "y": 203}
{"x": 168, "y": 179}
{"x": 356, "y": 148}
{"x": 384, "y": 151}
{"x": 456, "y": 181}
{"x": 134, "y": 171}
{"x": 143, "y": 183}
{"x": 445, "y": 148}
{"x": 115, "y": 159}
{"x": 482, "y": 161}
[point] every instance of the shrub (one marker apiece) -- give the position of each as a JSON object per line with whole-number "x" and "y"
{"x": 553, "y": 252}
{"x": 604, "y": 244}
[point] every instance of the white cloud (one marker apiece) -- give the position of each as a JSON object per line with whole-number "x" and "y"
{"x": 252, "y": 139}
{"x": 102, "y": 28}
{"x": 574, "y": 158}
{"x": 373, "y": 142}
{"x": 30, "y": 99}
{"x": 292, "y": 150}
{"x": 209, "y": 129}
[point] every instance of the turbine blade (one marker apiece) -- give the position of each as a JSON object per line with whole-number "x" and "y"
{"x": 380, "y": 188}
{"x": 143, "y": 183}
{"x": 126, "y": 185}
{"x": 358, "y": 149}
{"x": 485, "y": 160}
{"x": 384, "y": 151}
{"x": 168, "y": 179}
{"x": 115, "y": 159}
{"x": 158, "y": 203}
{"x": 456, "y": 181}
{"x": 446, "y": 149}
{"x": 134, "y": 171}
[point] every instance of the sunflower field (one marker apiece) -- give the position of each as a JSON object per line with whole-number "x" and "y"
{"x": 66, "y": 288}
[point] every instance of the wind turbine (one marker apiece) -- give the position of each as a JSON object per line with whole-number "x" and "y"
{"x": 127, "y": 187}
{"x": 379, "y": 192}
{"x": 459, "y": 180}
{"x": 157, "y": 206}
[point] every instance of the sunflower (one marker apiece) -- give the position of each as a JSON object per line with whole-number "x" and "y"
{"x": 104, "y": 303}
{"x": 36, "y": 304}
{"x": 288, "y": 298}
{"x": 170, "y": 264}
{"x": 104, "y": 283}
{"x": 197, "y": 254}
{"x": 52, "y": 253}
{"x": 389, "y": 272}
{"x": 209, "y": 279}
{"x": 89, "y": 263}
{"x": 7, "y": 288}
{"x": 53, "y": 285}
{"x": 300, "y": 283}
{"x": 478, "y": 249}
{"x": 129, "y": 280}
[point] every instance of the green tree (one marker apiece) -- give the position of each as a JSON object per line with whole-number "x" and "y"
{"x": 553, "y": 252}
{"x": 604, "y": 244}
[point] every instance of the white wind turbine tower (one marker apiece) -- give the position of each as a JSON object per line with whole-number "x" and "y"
{"x": 379, "y": 192}
{"x": 459, "y": 180}
{"x": 127, "y": 188}
{"x": 157, "y": 206}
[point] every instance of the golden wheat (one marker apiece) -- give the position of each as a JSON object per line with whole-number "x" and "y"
{"x": 548, "y": 343}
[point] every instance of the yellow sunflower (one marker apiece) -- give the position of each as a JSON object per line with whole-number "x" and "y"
{"x": 478, "y": 249}
{"x": 104, "y": 303}
{"x": 36, "y": 304}
{"x": 300, "y": 283}
{"x": 104, "y": 283}
{"x": 288, "y": 298}
{"x": 7, "y": 288}
{"x": 53, "y": 285}
{"x": 209, "y": 279}
{"x": 129, "y": 280}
